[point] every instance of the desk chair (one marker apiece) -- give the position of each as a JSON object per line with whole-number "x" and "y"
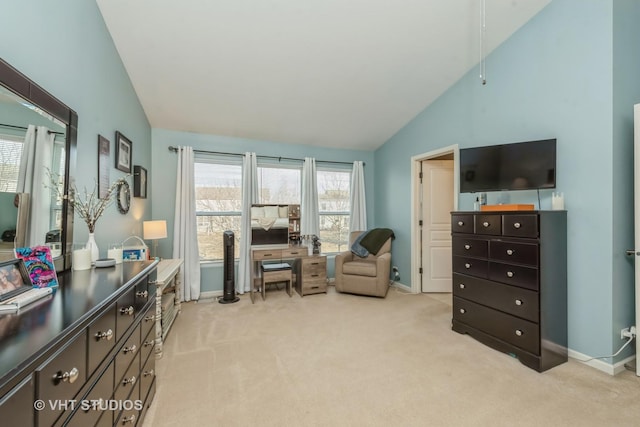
{"x": 276, "y": 273}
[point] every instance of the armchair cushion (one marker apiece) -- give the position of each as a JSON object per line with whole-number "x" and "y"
{"x": 360, "y": 268}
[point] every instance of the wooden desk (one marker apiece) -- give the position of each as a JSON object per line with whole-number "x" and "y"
{"x": 310, "y": 270}
{"x": 168, "y": 286}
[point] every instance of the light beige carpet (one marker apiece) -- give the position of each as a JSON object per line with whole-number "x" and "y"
{"x": 345, "y": 360}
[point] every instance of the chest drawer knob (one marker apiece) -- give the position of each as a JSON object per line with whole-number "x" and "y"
{"x": 509, "y": 273}
{"x": 150, "y": 318}
{"x": 519, "y": 332}
{"x": 148, "y": 343}
{"x": 462, "y": 286}
{"x": 148, "y": 373}
{"x": 104, "y": 335}
{"x": 460, "y": 223}
{"x": 131, "y": 380}
{"x": 467, "y": 247}
{"x": 463, "y": 311}
{"x": 467, "y": 265}
{"x": 485, "y": 224}
{"x": 517, "y": 225}
{"x": 518, "y": 302}
{"x": 69, "y": 377}
{"x": 129, "y": 349}
{"x": 128, "y": 311}
{"x": 510, "y": 251}
{"x": 131, "y": 419}
{"x": 142, "y": 294}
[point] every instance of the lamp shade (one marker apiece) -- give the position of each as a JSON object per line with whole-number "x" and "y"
{"x": 152, "y": 230}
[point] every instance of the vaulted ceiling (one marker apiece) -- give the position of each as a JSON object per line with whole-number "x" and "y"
{"x": 334, "y": 73}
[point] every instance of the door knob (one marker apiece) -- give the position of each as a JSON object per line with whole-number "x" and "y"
{"x": 632, "y": 252}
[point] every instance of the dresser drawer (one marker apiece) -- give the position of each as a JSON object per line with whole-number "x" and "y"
{"x": 102, "y": 333}
{"x": 144, "y": 292}
{"x": 314, "y": 286}
{"x": 520, "y": 226}
{"x": 62, "y": 376}
{"x": 462, "y": 223}
{"x": 466, "y": 247}
{"x": 125, "y": 313}
{"x": 489, "y": 224}
{"x": 129, "y": 381}
{"x": 514, "y": 252}
{"x": 471, "y": 266}
{"x": 510, "y": 299}
{"x": 148, "y": 320}
{"x": 147, "y": 375}
{"x": 516, "y": 275}
{"x": 126, "y": 353}
{"x": 148, "y": 344}
{"x": 16, "y": 407}
{"x": 513, "y": 330}
{"x": 95, "y": 403}
{"x": 294, "y": 252}
{"x": 314, "y": 265}
{"x": 267, "y": 254}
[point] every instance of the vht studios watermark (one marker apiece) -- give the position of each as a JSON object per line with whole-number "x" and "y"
{"x": 88, "y": 405}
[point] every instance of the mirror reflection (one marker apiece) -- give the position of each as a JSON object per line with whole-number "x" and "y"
{"x": 31, "y": 143}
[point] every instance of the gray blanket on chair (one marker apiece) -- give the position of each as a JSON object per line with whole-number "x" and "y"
{"x": 371, "y": 241}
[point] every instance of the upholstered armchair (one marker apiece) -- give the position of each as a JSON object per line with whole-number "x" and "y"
{"x": 364, "y": 276}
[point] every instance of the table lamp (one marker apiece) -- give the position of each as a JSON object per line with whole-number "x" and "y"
{"x": 154, "y": 230}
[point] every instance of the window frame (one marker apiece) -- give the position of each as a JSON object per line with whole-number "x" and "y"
{"x": 334, "y": 168}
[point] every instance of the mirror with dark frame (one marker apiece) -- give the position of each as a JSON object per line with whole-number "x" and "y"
{"x": 38, "y": 138}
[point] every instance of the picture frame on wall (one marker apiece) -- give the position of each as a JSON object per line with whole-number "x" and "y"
{"x": 103, "y": 166}
{"x": 139, "y": 182}
{"x": 124, "y": 153}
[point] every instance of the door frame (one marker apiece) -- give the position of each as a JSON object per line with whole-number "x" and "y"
{"x": 416, "y": 285}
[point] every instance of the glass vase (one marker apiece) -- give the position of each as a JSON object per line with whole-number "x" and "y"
{"x": 93, "y": 247}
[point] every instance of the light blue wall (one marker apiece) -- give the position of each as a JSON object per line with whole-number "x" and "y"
{"x": 165, "y": 167}
{"x": 65, "y": 48}
{"x": 551, "y": 79}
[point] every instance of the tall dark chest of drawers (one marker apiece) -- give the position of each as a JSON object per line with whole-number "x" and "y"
{"x": 510, "y": 283}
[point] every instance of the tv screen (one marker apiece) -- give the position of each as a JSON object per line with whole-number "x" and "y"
{"x": 521, "y": 166}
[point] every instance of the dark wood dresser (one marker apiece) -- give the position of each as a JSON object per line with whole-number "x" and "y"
{"x": 510, "y": 282}
{"x": 85, "y": 355}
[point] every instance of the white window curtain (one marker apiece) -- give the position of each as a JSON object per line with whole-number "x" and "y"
{"x": 185, "y": 241}
{"x": 358, "y": 219}
{"x": 309, "y": 212}
{"x": 249, "y": 197}
{"x": 35, "y": 161}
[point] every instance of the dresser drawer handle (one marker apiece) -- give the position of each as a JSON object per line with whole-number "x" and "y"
{"x": 510, "y": 251}
{"x": 315, "y": 263}
{"x": 148, "y": 343}
{"x": 518, "y": 302}
{"x": 148, "y": 318}
{"x": 467, "y": 247}
{"x": 295, "y": 253}
{"x": 104, "y": 335}
{"x": 517, "y": 225}
{"x": 131, "y": 380}
{"x": 142, "y": 294}
{"x": 509, "y": 273}
{"x": 129, "y": 349}
{"x": 315, "y": 275}
{"x": 463, "y": 311}
{"x": 462, "y": 286}
{"x": 69, "y": 377}
{"x": 268, "y": 254}
{"x": 485, "y": 224}
{"x": 467, "y": 265}
{"x": 460, "y": 223}
{"x": 519, "y": 332}
{"x": 128, "y": 311}
{"x": 148, "y": 373}
{"x": 131, "y": 419}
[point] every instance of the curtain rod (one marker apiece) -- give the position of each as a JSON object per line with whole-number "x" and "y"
{"x": 24, "y": 128}
{"x": 175, "y": 149}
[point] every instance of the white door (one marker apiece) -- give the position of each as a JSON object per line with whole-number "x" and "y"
{"x": 636, "y": 169}
{"x": 437, "y": 204}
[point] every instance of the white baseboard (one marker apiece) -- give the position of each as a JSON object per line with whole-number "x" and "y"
{"x": 210, "y": 295}
{"x": 402, "y": 287}
{"x": 601, "y": 365}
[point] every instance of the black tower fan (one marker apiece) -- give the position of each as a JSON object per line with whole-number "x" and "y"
{"x": 229, "y": 297}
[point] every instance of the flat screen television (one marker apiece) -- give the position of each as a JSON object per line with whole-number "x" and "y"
{"x": 527, "y": 165}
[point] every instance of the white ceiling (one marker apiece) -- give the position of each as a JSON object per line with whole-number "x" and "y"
{"x": 334, "y": 73}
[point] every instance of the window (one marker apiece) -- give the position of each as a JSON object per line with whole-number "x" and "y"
{"x": 334, "y": 186}
{"x": 10, "y": 154}
{"x": 219, "y": 198}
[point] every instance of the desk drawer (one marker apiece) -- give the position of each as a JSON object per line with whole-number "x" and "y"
{"x": 314, "y": 286}
{"x": 62, "y": 376}
{"x": 267, "y": 254}
{"x": 295, "y": 252}
{"x": 314, "y": 266}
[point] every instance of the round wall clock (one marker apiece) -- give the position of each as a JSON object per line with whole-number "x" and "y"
{"x": 123, "y": 197}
